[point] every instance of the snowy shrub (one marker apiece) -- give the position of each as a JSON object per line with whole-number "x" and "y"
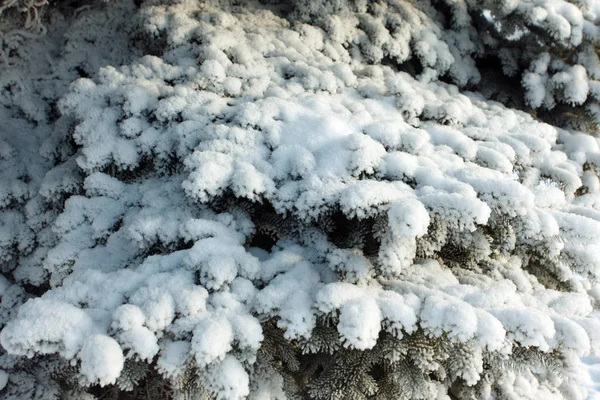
{"x": 275, "y": 201}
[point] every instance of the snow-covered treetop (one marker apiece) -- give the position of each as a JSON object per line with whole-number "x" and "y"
{"x": 393, "y": 203}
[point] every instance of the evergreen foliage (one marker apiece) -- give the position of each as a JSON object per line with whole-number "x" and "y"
{"x": 300, "y": 200}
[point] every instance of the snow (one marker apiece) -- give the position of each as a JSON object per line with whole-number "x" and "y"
{"x": 3, "y": 379}
{"x": 227, "y": 380}
{"x": 101, "y": 359}
{"x": 292, "y": 294}
{"x": 592, "y": 380}
{"x": 66, "y": 329}
{"x": 398, "y": 204}
{"x": 211, "y": 340}
{"x": 173, "y": 357}
{"x": 360, "y": 321}
{"x": 445, "y": 315}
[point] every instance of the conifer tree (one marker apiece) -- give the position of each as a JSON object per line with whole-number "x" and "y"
{"x": 321, "y": 200}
